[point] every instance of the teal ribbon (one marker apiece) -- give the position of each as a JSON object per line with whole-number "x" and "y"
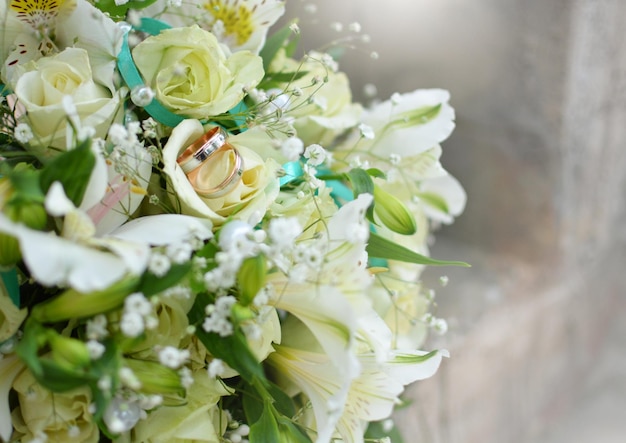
{"x": 9, "y": 279}
{"x": 293, "y": 171}
{"x": 130, "y": 73}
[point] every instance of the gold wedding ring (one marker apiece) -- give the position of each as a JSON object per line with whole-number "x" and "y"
{"x": 226, "y": 185}
{"x": 194, "y": 161}
{"x": 202, "y": 149}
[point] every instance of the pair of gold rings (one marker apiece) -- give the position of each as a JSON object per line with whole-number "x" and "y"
{"x": 194, "y": 161}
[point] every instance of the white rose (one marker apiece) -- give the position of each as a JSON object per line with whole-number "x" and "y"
{"x": 247, "y": 201}
{"x": 40, "y": 411}
{"x": 41, "y": 85}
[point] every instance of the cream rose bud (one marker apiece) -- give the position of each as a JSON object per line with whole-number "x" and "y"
{"x": 248, "y": 200}
{"x": 191, "y": 73}
{"x": 41, "y": 85}
{"x": 62, "y": 416}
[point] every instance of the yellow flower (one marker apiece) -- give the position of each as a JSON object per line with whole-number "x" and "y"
{"x": 61, "y": 416}
{"x": 191, "y": 74}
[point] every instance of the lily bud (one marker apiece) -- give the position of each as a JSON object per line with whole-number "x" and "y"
{"x": 393, "y": 213}
{"x": 155, "y": 378}
{"x": 9, "y": 250}
{"x": 251, "y": 278}
{"x": 32, "y": 215}
{"x": 68, "y": 352}
{"x": 239, "y": 314}
{"x": 73, "y": 304}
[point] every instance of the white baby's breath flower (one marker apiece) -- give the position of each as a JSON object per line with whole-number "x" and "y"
{"x": 104, "y": 383}
{"x": 95, "y": 349}
{"x": 315, "y": 155}
{"x": 186, "y": 377}
{"x": 179, "y": 252}
{"x": 132, "y": 324}
{"x": 138, "y": 303}
{"x": 366, "y": 131}
{"x": 292, "y": 148}
{"x": 23, "y": 133}
{"x": 336, "y": 26}
{"x": 283, "y": 231}
{"x": 97, "y": 327}
{"x": 128, "y": 378}
{"x": 294, "y": 28}
{"x": 216, "y": 368}
{"x": 159, "y": 264}
{"x": 173, "y": 357}
{"x": 396, "y": 98}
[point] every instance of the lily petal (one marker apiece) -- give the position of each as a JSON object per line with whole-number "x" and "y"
{"x": 10, "y": 366}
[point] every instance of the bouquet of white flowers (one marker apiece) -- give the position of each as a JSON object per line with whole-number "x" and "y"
{"x": 203, "y": 239}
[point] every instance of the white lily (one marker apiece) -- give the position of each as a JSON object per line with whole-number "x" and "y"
{"x": 239, "y": 24}
{"x": 317, "y": 376}
{"x": 73, "y": 23}
{"x": 373, "y": 395}
{"x": 402, "y": 127}
{"x": 87, "y": 263}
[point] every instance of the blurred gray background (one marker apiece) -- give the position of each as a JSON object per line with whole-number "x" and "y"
{"x": 538, "y": 324}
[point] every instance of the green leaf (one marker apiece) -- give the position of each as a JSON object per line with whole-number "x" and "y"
{"x": 273, "y": 45}
{"x": 34, "y": 334}
{"x": 233, "y": 349}
{"x": 380, "y": 247}
{"x": 361, "y": 181}
{"x": 434, "y": 200}
{"x": 375, "y": 430}
{"x": 151, "y": 284}
{"x": 376, "y": 173}
{"x": 108, "y": 364}
{"x": 290, "y": 432}
{"x": 119, "y": 12}
{"x": 265, "y": 429}
{"x": 285, "y": 77}
{"x": 73, "y": 169}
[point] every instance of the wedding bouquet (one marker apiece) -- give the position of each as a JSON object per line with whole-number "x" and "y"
{"x": 202, "y": 238}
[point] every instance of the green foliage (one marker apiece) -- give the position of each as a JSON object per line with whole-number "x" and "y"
{"x": 119, "y": 12}
{"x": 380, "y": 247}
{"x": 151, "y": 284}
{"x": 73, "y": 169}
{"x": 72, "y": 304}
{"x": 233, "y": 349}
{"x": 280, "y": 39}
{"x": 376, "y": 430}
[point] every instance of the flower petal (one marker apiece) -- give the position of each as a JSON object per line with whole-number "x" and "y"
{"x": 10, "y": 366}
